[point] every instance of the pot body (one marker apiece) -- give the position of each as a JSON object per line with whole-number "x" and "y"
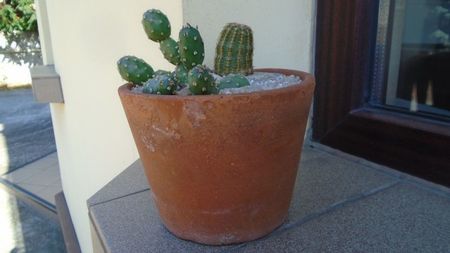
{"x": 221, "y": 168}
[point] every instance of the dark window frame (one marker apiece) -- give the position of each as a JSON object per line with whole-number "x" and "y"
{"x": 344, "y": 118}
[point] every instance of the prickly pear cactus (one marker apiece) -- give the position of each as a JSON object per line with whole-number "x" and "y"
{"x": 156, "y": 25}
{"x": 192, "y": 49}
{"x": 233, "y": 81}
{"x": 169, "y": 48}
{"x": 163, "y": 84}
{"x": 201, "y": 82}
{"x": 181, "y": 74}
{"x": 134, "y": 70}
{"x": 234, "y": 50}
{"x": 161, "y": 72}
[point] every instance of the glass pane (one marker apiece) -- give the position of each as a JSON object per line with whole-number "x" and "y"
{"x": 413, "y": 56}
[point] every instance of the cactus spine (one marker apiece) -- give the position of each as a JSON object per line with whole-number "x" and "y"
{"x": 156, "y": 25}
{"x": 201, "y": 82}
{"x": 134, "y": 70}
{"x": 234, "y": 50}
{"x": 192, "y": 49}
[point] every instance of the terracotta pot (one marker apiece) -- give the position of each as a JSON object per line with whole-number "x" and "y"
{"x": 221, "y": 168}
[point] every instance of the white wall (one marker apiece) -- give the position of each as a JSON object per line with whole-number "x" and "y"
{"x": 88, "y": 37}
{"x": 282, "y": 30}
{"x": 92, "y": 136}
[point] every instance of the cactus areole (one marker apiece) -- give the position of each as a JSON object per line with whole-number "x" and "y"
{"x": 221, "y": 168}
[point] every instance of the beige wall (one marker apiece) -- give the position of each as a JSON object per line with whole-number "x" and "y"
{"x": 282, "y": 30}
{"x": 92, "y": 136}
{"x": 88, "y": 37}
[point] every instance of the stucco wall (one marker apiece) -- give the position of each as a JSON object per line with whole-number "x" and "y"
{"x": 92, "y": 135}
{"x": 282, "y": 30}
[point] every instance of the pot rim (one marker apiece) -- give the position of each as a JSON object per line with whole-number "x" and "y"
{"x": 307, "y": 80}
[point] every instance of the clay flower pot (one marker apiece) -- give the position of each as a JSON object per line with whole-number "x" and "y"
{"x": 221, "y": 168}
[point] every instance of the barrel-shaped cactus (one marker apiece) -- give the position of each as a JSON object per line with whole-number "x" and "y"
{"x": 233, "y": 81}
{"x": 234, "y": 50}
{"x": 201, "y": 82}
{"x": 156, "y": 25}
{"x": 163, "y": 84}
{"x": 169, "y": 48}
{"x": 134, "y": 69}
{"x": 192, "y": 49}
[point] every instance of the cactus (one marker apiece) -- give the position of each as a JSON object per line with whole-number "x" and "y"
{"x": 161, "y": 72}
{"x": 163, "y": 84}
{"x": 233, "y": 81}
{"x": 156, "y": 25}
{"x": 200, "y": 81}
{"x": 192, "y": 50}
{"x": 181, "y": 74}
{"x": 234, "y": 50}
{"x": 134, "y": 70}
{"x": 169, "y": 48}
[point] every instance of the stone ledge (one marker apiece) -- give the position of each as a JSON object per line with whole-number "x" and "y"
{"x": 329, "y": 187}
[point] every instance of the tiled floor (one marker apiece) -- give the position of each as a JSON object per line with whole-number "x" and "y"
{"x": 341, "y": 203}
{"x": 40, "y": 178}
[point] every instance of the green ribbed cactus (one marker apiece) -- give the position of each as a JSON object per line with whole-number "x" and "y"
{"x": 134, "y": 70}
{"x": 201, "y": 82}
{"x": 156, "y": 25}
{"x": 234, "y": 50}
{"x": 192, "y": 49}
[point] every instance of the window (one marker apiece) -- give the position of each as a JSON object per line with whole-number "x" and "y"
{"x": 382, "y": 70}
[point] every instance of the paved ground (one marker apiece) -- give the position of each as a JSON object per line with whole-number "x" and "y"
{"x": 26, "y": 227}
{"x": 26, "y": 131}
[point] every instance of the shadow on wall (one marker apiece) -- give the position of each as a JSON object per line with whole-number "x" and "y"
{"x": 21, "y": 49}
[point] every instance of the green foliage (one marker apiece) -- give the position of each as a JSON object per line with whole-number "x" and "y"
{"x": 233, "y": 81}
{"x": 201, "y": 82}
{"x": 17, "y": 16}
{"x": 234, "y": 50}
{"x": 134, "y": 70}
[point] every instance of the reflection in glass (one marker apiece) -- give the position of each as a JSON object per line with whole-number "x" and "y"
{"x": 418, "y": 54}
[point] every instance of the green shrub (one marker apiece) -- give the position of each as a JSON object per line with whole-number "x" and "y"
{"x": 17, "y": 16}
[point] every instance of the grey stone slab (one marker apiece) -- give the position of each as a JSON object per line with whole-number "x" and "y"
{"x": 327, "y": 180}
{"x": 46, "y": 84}
{"x": 130, "y": 181}
{"x": 403, "y": 218}
{"x": 131, "y": 224}
{"x": 309, "y": 153}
